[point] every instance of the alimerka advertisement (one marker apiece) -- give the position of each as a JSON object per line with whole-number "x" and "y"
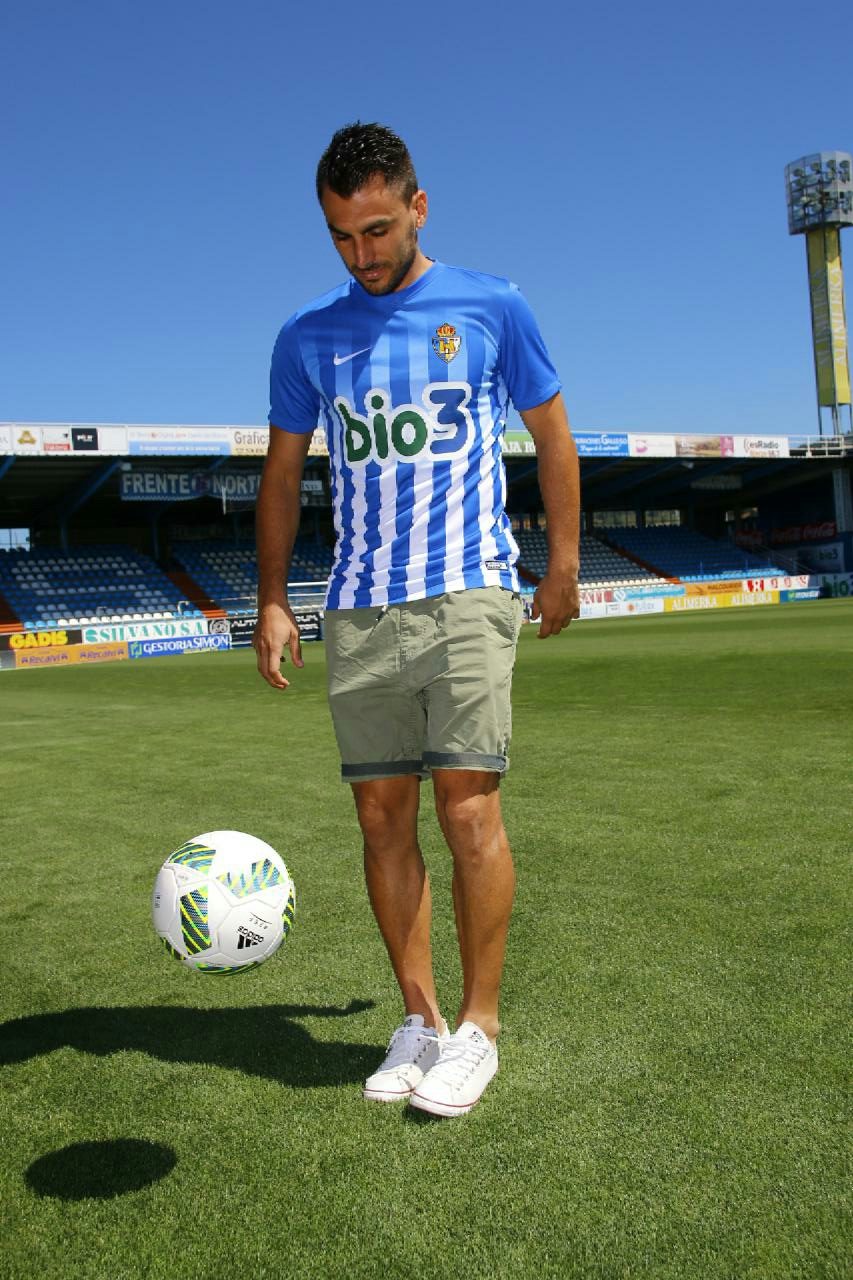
{"x": 723, "y": 600}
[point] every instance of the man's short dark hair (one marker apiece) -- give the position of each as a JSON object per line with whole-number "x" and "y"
{"x": 359, "y": 151}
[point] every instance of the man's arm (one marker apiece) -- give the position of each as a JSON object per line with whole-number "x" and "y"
{"x": 277, "y": 523}
{"x": 556, "y": 600}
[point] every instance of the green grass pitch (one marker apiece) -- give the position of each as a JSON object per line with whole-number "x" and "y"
{"x": 672, "y": 1093}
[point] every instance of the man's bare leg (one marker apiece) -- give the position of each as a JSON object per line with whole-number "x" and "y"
{"x": 398, "y": 887}
{"x": 469, "y": 811}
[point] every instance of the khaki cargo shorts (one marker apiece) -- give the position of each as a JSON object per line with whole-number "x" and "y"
{"x": 423, "y": 685}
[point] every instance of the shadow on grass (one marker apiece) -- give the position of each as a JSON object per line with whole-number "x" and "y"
{"x": 100, "y": 1170}
{"x": 264, "y": 1040}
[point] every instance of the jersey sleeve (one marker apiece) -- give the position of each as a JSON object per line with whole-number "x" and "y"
{"x": 526, "y": 367}
{"x": 294, "y": 400}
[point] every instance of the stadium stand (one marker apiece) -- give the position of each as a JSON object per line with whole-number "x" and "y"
{"x": 229, "y": 574}
{"x": 49, "y": 588}
{"x": 600, "y": 565}
{"x": 676, "y": 552}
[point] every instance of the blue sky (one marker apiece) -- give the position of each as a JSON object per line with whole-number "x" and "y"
{"x": 622, "y": 163}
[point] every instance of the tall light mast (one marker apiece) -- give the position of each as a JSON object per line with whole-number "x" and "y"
{"x": 819, "y": 190}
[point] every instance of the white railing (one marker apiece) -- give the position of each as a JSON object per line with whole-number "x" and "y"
{"x": 299, "y": 594}
{"x": 820, "y": 446}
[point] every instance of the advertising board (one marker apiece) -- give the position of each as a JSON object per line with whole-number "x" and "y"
{"x": 714, "y": 587}
{"x": 650, "y": 604}
{"x": 601, "y": 444}
{"x": 761, "y": 447}
{"x": 165, "y": 629}
{"x": 249, "y": 442}
{"x": 778, "y": 582}
{"x": 56, "y": 439}
{"x": 837, "y": 586}
{"x": 824, "y": 557}
{"x": 657, "y": 589}
{"x": 805, "y": 593}
{"x": 26, "y": 439}
{"x": 54, "y": 638}
{"x": 177, "y": 644}
{"x": 318, "y": 448}
{"x": 654, "y": 445}
{"x": 71, "y": 654}
{"x": 720, "y": 600}
{"x": 178, "y": 441}
{"x": 516, "y": 442}
{"x": 242, "y": 630}
{"x": 592, "y": 609}
{"x": 310, "y": 622}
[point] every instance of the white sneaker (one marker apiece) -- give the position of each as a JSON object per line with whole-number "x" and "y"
{"x": 412, "y": 1051}
{"x": 456, "y": 1083}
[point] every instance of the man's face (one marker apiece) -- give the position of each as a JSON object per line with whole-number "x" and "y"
{"x": 376, "y": 233}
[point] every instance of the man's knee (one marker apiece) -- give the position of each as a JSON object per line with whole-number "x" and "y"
{"x": 387, "y": 812}
{"x": 469, "y": 811}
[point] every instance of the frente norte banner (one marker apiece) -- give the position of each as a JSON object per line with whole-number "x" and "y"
{"x": 150, "y": 484}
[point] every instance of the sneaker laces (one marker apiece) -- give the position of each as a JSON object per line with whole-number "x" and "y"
{"x": 403, "y": 1047}
{"x": 460, "y": 1057}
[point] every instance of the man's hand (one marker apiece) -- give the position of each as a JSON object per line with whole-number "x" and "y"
{"x": 556, "y": 602}
{"x": 276, "y": 631}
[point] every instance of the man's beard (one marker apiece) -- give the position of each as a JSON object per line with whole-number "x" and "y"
{"x": 399, "y": 270}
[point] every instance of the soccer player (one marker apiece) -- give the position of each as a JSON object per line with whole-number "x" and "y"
{"x": 410, "y": 367}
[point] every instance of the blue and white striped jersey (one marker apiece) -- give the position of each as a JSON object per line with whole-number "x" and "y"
{"x": 412, "y": 389}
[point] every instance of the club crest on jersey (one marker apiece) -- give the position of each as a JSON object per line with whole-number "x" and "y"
{"x": 446, "y": 342}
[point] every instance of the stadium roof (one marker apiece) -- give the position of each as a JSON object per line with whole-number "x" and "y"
{"x": 60, "y": 470}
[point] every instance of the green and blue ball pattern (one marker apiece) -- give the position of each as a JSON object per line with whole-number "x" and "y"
{"x": 197, "y": 938}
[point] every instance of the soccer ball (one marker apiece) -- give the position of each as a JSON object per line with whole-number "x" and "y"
{"x": 223, "y": 902}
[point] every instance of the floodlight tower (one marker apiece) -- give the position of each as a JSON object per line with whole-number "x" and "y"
{"x": 819, "y": 189}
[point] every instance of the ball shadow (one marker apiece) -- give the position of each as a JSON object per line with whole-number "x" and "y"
{"x": 100, "y": 1170}
{"x": 263, "y": 1040}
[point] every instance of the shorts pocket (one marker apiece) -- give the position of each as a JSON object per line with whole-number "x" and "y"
{"x": 505, "y": 611}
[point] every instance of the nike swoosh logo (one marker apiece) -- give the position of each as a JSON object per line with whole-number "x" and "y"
{"x": 336, "y": 359}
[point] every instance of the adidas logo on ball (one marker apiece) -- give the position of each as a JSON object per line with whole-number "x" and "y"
{"x": 247, "y": 938}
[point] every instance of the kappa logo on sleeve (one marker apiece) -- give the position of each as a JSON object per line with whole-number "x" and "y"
{"x": 442, "y": 426}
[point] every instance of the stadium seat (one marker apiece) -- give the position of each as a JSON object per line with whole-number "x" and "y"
{"x": 89, "y": 584}
{"x": 600, "y": 565}
{"x": 228, "y": 574}
{"x": 681, "y": 553}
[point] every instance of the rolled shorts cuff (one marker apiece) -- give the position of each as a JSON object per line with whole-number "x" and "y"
{"x": 382, "y": 769}
{"x": 465, "y": 760}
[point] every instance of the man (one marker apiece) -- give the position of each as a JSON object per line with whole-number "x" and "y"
{"x": 410, "y": 367}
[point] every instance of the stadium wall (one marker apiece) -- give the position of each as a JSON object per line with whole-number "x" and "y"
{"x": 115, "y": 642}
